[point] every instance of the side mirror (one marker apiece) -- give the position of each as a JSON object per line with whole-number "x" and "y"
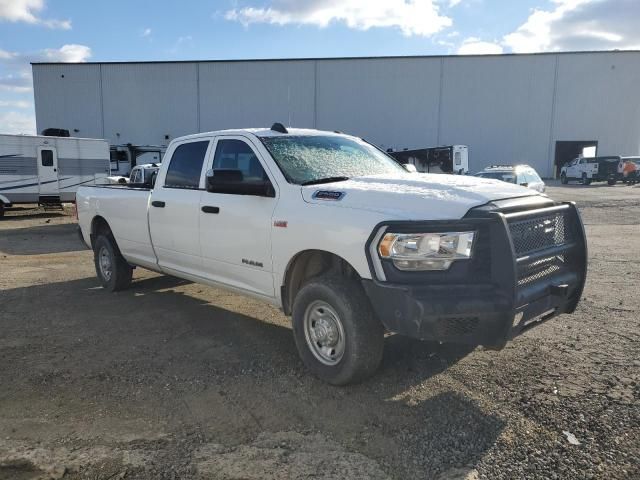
{"x": 524, "y": 184}
{"x": 231, "y": 181}
{"x": 410, "y": 167}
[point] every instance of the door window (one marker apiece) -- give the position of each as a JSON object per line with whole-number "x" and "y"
{"x": 186, "y": 165}
{"x": 237, "y": 155}
{"x": 46, "y": 157}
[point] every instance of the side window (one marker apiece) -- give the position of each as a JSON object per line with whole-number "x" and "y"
{"x": 47, "y": 158}
{"x": 533, "y": 176}
{"x": 458, "y": 158}
{"x": 186, "y": 165}
{"x": 237, "y": 155}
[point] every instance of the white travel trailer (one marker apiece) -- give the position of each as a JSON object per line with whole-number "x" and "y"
{"x": 48, "y": 170}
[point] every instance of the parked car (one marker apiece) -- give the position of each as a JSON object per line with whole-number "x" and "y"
{"x": 593, "y": 169}
{"x": 140, "y": 174}
{"x": 339, "y": 236}
{"x": 523, "y": 175}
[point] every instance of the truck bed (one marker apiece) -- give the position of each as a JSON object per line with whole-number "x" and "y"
{"x": 126, "y": 207}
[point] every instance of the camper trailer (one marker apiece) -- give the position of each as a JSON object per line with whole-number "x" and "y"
{"x": 447, "y": 159}
{"x": 48, "y": 170}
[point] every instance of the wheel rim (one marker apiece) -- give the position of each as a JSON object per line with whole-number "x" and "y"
{"x": 324, "y": 332}
{"x": 104, "y": 262}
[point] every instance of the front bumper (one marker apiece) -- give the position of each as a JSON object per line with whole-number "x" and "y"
{"x": 533, "y": 268}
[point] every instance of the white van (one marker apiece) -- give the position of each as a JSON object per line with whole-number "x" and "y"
{"x": 48, "y": 170}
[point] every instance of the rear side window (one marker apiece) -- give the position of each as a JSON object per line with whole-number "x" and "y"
{"x": 186, "y": 165}
{"x": 47, "y": 158}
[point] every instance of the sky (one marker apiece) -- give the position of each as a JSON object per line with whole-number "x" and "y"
{"x": 140, "y": 30}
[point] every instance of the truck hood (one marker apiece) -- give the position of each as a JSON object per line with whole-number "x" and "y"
{"x": 413, "y": 195}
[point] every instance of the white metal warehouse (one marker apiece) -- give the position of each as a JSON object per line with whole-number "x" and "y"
{"x": 532, "y": 108}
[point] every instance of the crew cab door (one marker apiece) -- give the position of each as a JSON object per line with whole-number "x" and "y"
{"x": 235, "y": 230}
{"x": 175, "y": 205}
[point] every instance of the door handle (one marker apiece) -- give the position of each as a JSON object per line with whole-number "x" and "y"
{"x": 158, "y": 203}
{"x": 209, "y": 209}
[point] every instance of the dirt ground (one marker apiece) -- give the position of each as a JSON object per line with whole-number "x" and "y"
{"x": 172, "y": 379}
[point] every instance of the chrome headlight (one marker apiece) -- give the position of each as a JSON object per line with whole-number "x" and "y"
{"x": 426, "y": 251}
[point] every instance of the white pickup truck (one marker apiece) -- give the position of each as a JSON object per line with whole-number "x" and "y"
{"x": 344, "y": 240}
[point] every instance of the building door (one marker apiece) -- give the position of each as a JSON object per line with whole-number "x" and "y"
{"x": 48, "y": 171}
{"x": 568, "y": 150}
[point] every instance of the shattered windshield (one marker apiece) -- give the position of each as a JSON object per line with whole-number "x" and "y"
{"x": 311, "y": 158}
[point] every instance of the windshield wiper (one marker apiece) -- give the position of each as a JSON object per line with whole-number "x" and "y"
{"x": 325, "y": 180}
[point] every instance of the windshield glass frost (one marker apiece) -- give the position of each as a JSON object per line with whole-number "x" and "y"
{"x": 308, "y": 158}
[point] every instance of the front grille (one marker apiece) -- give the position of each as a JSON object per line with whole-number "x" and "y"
{"x": 532, "y": 234}
{"x": 529, "y": 273}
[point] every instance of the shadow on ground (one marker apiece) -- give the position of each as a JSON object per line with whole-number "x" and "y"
{"x": 40, "y": 239}
{"x": 161, "y": 356}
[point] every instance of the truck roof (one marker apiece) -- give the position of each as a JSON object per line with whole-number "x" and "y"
{"x": 263, "y": 132}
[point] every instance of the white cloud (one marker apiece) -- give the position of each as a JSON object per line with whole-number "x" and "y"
{"x": 475, "y": 46}
{"x": 19, "y": 82}
{"x": 17, "y": 122}
{"x": 4, "y": 55}
{"x": 412, "y": 17}
{"x": 15, "y": 104}
{"x": 27, "y": 11}
{"x": 72, "y": 53}
{"x": 579, "y": 25}
{"x": 146, "y": 32}
{"x": 453, "y": 3}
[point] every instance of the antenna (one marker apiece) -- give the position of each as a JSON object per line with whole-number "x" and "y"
{"x": 278, "y": 127}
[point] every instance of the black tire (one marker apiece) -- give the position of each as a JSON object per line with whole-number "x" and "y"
{"x": 585, "y": 180}
{"x": 118, "y": 274}
{"x": 611, "y": 181}
{"x": 363, "y": 340}
{"x": 563, "y": 179}
{"x": 1, "y": 209}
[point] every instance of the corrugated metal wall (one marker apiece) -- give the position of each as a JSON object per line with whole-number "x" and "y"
{"x": 508, "y": 109}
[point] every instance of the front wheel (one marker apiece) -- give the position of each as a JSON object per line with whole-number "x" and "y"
{"x": 611, "y": 181}
{"x": 335, "y": 330}
{"x": 112, "y": 269}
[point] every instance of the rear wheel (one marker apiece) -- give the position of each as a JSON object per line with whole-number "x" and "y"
{"x": 563, "y": 179}
{"x": 611, "y": 181}
{"x": 585, "y": 179}
{"x": 112, "y": 269}
{"x": 336, "y": 333}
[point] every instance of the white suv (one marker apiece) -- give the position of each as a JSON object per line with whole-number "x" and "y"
{"x": 519, "y": 174}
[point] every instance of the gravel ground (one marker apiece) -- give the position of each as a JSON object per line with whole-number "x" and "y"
{"x": 176, "y": 380}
